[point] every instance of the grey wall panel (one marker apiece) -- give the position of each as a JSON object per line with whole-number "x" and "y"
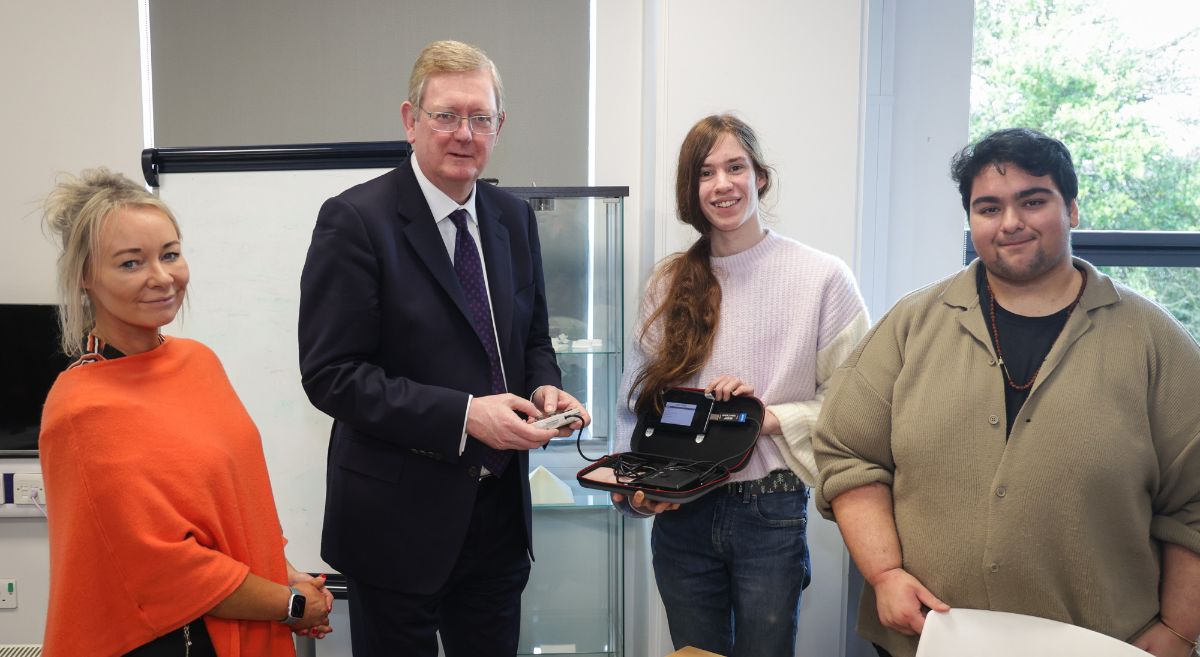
{"x": 232, "y": 72}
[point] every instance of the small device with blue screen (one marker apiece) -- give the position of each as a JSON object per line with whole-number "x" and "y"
{"x": 685, "y": 411}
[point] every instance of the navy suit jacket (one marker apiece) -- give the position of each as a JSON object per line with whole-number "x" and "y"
{"x": 387, "y": 350}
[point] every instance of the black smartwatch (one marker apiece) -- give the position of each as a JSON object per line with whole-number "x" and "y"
{"x": 295, "y": 610}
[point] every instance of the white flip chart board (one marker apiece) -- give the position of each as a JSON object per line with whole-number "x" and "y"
{"x": 245, "y": 236}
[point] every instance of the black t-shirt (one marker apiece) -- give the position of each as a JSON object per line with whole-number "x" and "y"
{"x": 1024, "y": 343}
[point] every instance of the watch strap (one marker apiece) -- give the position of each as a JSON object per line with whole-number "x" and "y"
{"x": 288, "y": 618}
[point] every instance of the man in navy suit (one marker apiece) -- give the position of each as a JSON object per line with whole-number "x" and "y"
{"x": 423, "y": 333}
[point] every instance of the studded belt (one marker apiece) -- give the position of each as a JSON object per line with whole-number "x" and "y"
{"x": 779, "y": 481}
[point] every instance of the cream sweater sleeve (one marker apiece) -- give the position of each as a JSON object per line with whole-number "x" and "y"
{"x": 796, "y": 419}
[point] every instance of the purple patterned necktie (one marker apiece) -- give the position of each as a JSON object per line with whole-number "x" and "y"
{"x": 470, "y": 277}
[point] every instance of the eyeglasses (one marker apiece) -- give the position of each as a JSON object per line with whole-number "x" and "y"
{"x": 480, "y": 124}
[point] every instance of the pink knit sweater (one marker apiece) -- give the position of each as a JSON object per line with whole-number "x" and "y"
{"x": 789, "y": 315}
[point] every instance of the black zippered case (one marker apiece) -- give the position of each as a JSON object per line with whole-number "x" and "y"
{"x": 671, "y": 463}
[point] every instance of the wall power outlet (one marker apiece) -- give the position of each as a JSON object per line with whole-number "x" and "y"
{"x": 8, "y": 594}
{"x": 24, "y": 483}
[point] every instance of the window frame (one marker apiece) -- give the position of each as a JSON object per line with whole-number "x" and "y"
{"x": 1125, "y": 248}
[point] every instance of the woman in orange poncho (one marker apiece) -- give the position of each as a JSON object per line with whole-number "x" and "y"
{"x": 164, "y": 539}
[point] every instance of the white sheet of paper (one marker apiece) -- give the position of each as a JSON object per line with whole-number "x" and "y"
{"x": 981, "y": 633}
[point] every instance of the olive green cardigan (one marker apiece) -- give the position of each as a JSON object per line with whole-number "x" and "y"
{"x": 1064, "y": 520}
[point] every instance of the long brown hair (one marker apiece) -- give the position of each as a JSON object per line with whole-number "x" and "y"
{"x": 689, "y": 310}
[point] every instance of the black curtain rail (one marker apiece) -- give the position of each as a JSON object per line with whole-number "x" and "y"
{"x": 1126, "y": 248}
{"x": 340, "y": 155}
{"x": 337, "y": 585}
{"x": 285, "y": 157}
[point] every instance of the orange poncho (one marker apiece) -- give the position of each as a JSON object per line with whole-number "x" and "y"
{"x": 158, "y": 503}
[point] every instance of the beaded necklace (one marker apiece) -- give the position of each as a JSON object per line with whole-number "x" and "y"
{"x": 996, "y": 332}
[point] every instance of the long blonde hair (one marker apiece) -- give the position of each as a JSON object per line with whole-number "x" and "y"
{"x": 76, "y": 211}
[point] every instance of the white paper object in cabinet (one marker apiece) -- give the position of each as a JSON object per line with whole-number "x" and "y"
{"x": 545, "y": 488}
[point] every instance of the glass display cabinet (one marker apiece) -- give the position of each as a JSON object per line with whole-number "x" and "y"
{"x": 573, "y": 603}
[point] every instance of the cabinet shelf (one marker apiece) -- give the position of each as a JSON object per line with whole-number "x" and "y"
{"x": 584, "y": 352}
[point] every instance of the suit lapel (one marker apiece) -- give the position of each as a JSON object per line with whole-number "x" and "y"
{"x": 497, "y": 261}
{"x": 422, "y": 232}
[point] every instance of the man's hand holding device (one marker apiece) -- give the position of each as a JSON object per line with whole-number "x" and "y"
{"x": 493, "y": 420}
{"x": 571, "y": 416}
{"x": 551, "y": 402}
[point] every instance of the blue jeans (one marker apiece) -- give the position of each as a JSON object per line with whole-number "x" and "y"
{"x": 730, "y": 568}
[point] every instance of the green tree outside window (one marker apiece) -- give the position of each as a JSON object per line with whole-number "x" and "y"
{"x": 1071, "y": 70}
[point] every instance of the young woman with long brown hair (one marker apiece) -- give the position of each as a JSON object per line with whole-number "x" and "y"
{"x": 744, "y": 311}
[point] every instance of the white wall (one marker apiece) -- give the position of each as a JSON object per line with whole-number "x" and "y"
{"x": 24, "y": 556}
{"x": 72, "y": 99}
{"x": 931, "y": 69}
{"x": 791, "y": 69}
{"x": 72, "y": 95}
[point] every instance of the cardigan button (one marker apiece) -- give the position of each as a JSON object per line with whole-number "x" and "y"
{"x": 1001, "y": 491}
{"x": 995, "y": 568}
{"x": 991, "y": 361}
{"x": 993, "y": 419}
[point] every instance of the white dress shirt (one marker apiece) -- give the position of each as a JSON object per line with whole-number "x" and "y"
{"x": 442, "y": 206}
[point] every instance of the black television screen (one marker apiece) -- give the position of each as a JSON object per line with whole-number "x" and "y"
{"x": 31, "y": 362}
